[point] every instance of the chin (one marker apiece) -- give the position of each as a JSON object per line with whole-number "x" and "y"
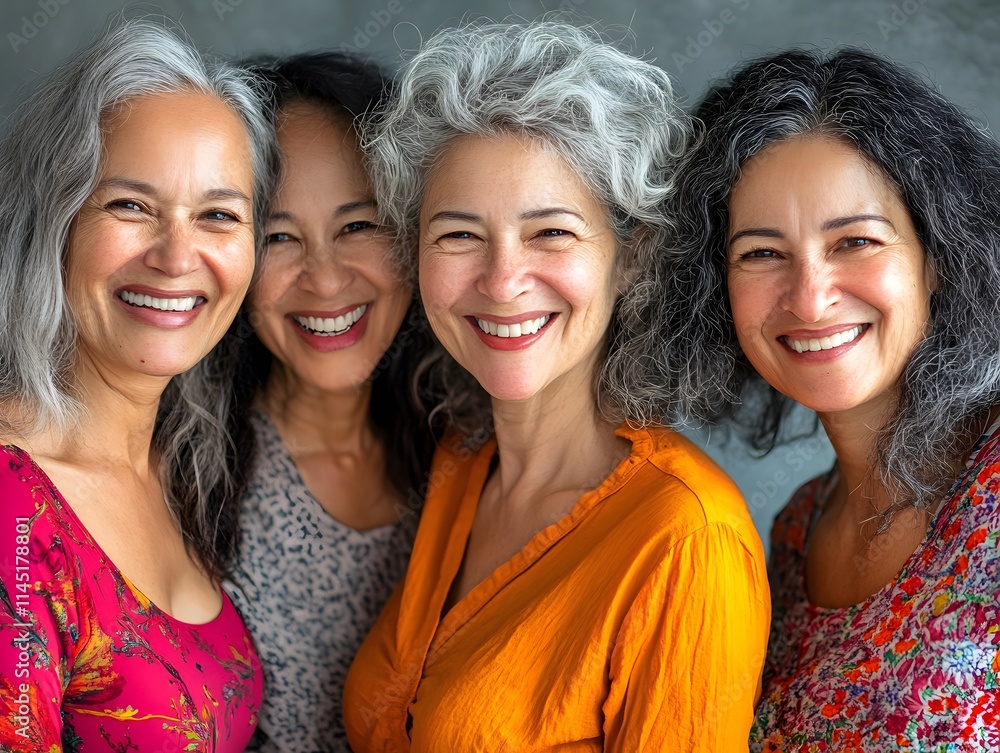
{"x": 159, "y": 367}
{"x": 826, "y": 402}
{"x": 510, "y": 389}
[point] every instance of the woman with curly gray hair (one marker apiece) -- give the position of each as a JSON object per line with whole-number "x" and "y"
{"x": 582, "y": 576}
{"x": 841, "y": 236}
{"x": 131, "y": 184}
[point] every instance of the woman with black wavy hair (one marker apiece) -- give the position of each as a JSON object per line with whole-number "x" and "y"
{"x": 841, "y": 231}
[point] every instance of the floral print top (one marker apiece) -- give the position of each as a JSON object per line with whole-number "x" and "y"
{"x": 916, "y": 667}
{"x": 87, "y": 663}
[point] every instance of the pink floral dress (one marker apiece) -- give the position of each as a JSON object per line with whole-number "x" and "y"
{"x": 87, "y": 663}
{"x": 916, "y": 667}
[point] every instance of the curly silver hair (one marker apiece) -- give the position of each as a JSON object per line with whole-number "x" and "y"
{"x": 612, "y": 117}
{"x": 50, "y": 163}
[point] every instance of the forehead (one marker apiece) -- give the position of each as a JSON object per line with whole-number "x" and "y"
{"x": 182, "y": 144}
{"x": 506, "y": 169}
{"x": 818, "y": 173}
{"x": 185, "y": 127}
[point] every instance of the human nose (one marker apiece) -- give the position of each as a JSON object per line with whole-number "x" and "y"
{"x": 324, "y": 273}
{"x": 174, "y": 250}
{"x": 505, "y": 276}
{"x": 811, "y": 291}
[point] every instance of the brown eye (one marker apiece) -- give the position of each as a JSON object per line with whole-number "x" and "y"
{"x": 354, "y": 227}
{"x": 759, "y": 253}
{"x": 855, "y": 243}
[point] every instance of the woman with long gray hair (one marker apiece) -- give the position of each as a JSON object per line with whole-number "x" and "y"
{"x": 131, "y": 184}
{"x": 841, "y": 249}
{"x": 583, "y": 577}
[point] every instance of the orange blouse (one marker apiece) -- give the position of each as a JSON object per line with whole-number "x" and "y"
{"x": 637, "y": 622}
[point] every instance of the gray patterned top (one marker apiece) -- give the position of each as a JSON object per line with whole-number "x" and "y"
{"x": 309, "y": 588}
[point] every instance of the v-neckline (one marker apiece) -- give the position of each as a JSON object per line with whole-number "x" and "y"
{"x": 934, "y": 529}
{"x": 464, "y": 609}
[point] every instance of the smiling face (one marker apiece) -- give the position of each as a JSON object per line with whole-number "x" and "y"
{"x": 828, "y": 281}
{"x": 161, "y": 254}
{"x": 517, "y": 266}
{"x": 329, "y": 302}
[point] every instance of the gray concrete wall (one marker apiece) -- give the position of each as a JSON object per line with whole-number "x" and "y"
{"x": 954, "y": 42}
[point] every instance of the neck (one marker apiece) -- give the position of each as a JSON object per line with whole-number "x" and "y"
{"x": 310, "y": 418}
{"x": 116, "y": 424}
{"x": 555, "y": 440}
{"x": 853, "y": 435}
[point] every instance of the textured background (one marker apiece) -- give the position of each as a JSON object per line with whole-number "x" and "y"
{"x": 956, "y": 43}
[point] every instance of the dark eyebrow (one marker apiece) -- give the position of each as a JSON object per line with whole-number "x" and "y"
{"x": 129, "y": 185}
{"x": 215, "y": 194}
{"x": 759, "y": 232}
{"x": 534, "y": 214}
{"x": 224, "y": 194}
{"x": 834, "y": 224}
{"x": 448, "y": 215}
{"x": 541, "y": 214}
{"x": 840, "y": 222}
{"x": 352, "y": 206}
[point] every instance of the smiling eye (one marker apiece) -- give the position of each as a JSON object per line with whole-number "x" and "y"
{"x": 553, "y": 232}
{"x": 359, "y": 225}
{"x": 277, "y": 238}
{"x": 855, "y": 242}
{"x": 759, "y": 253}
{"x": 220, "y": 215}
{"x": 128, "y": 204}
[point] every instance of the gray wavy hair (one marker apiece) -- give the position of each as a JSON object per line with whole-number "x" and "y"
{"x": 615, "y": 121}
{"x": 50, "y": 163}
{"x": 946, "y": 169}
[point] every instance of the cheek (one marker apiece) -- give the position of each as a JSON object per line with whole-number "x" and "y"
{"x": 442, "y": 282}
{"x": 377, "y": 268}
{"x": 745, "y": 304}
{"x": 278, "y": 278}
{"x": 591, "y": 284}
{"x": 96, "y": 252}
{"x": 239, "y": 266}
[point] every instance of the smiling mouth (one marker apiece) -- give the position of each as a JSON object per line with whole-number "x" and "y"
{"x": 836, "y": 340}
{"x": 331, "y": 326}
{"x": 529, "y": 327}
{"x": 160, "y": 304}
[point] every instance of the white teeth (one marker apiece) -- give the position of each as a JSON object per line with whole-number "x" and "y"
{"x": 332, "y": 326}
{"x": 529, "y": 327}
{"x": 161, "y": 304}
{"x": 824, "y": 343}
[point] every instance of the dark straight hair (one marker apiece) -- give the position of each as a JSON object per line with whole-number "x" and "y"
{"x": 349, "y": 88}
